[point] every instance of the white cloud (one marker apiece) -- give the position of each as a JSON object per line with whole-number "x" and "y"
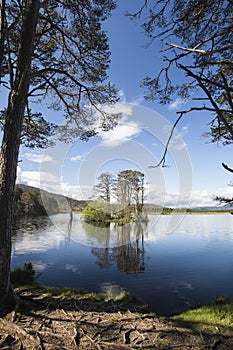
{"x": 36, "y": 178}
{"x": 126, "y": 109}
{"x": 37, "y": 158}
{"x": 196, "y": 198}
{"x": 18, "y": 176}
{"x": 125, "y": 129}
{"x": 76, "y": 158}
{"x": 121, "y": 95}
{"x": 177, "y": 143}
{"x": 121, "y": 133}
{"x": 184, "y": 129}
{"x": 177, "y": 103}
{"x": 52, "y": 183}
{"x": 154, "y": 194}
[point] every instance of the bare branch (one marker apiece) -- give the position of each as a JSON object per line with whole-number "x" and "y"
{"x": 195, "y": 50}
{"x": 227, "y": 89}
{"x": 163, "y": 159}
{"x": 181, "y": 114}
{"x": 227, "y": 167}
{"x": 187, "y": 49}
{"x": 43, "y": 72}
{"x": 139, "y": 12}
{"x": 212, "y": 101}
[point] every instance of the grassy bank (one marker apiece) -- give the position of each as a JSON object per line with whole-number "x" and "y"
{"x": 52, "y": 318}
{"x": 215, "y": 316}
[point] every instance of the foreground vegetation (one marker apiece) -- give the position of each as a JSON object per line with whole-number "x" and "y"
{"x": 216, "y": 316}
{"x": 52, "y": 318}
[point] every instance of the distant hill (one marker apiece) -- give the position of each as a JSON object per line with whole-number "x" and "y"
{"x": 226, "y": 207}
{"x": 34, "y": 201}
{"x": 150, "y": 207}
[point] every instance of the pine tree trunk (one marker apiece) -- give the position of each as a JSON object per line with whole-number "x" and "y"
{"x": 2, "y": 35}
{"x": 11, "y": 141}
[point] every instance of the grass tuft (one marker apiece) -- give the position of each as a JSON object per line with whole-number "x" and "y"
{"x": 218, "y": 314}
{"x": 23, "y": 276}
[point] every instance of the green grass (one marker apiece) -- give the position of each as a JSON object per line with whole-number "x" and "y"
{"x": 123, "y": 296}
{"x": 218, "y": 314}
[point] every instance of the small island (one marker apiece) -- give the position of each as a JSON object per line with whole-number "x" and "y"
{"x": 127, "y": 193}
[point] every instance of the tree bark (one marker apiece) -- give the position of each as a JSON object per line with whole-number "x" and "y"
{"x": 11, "y": 140}
{"x": 2, "y": 35}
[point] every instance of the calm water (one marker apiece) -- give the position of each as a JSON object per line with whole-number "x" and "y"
{"x": 169, "y": 263}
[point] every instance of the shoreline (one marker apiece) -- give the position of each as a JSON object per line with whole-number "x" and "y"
{"x": 57, "y": 319}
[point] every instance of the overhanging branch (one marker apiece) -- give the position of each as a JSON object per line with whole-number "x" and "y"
{"x": 163, "y": 159}
{"x": 225, "y": 166}
{"x": 218, "y": 111}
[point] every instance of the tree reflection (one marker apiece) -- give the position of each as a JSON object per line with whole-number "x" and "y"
{"x": 128, "y": 253}
{"x": 130, "y": 258}
{"x": 69, "y": 229}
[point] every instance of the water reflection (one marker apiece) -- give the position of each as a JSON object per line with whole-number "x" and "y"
{"x": 167, "y": 270}
{"x": 33, "y": 235}
{"x": 128, "y": 257}
{"x": 116, "y": 245}
{"x": 113, "y": 234}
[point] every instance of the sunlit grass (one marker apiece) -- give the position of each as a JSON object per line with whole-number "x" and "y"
{"x": 219, "y": 314}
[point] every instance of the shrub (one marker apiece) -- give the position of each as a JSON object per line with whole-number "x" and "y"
{"x": 23, "y": 275}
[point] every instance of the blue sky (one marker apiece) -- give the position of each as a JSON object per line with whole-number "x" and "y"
{"x": 194, "y": 171}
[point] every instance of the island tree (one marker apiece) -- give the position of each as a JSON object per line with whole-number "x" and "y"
{"x": 196, "y": 39}
{"x": 55, "y": 51}
{"x": 129, "y": 189}
{"x": 127, "y": 192}
{"x": 104, "y": 186}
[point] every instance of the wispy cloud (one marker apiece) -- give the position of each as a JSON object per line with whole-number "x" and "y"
{"x": 177, "y": 142}
{"x": 125, "y": 130}
{"x": 121, "y": 95}
{"x": 76, "y": 158}
{"x": 155, "y": 194}
{"x": 192, "y": 198}
{"x": 121, "y": 133}
{"x": 37, "y": 158}
{"x": 36, "y": 178}
{"x": 184, "y": 129}
{"x": 176, "y": 104}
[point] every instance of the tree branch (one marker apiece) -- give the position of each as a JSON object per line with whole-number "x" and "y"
{"x": 163, "y": 159}
{"x": 139, "y": 12}
{"x": 187, "y": 49}
{"x": 225, "y": 166}
{"x": 42, "y": 72}
{"x": 227, "y": 89}
{"x": 207, "y": 92}
{"x": 181, "y": 114}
